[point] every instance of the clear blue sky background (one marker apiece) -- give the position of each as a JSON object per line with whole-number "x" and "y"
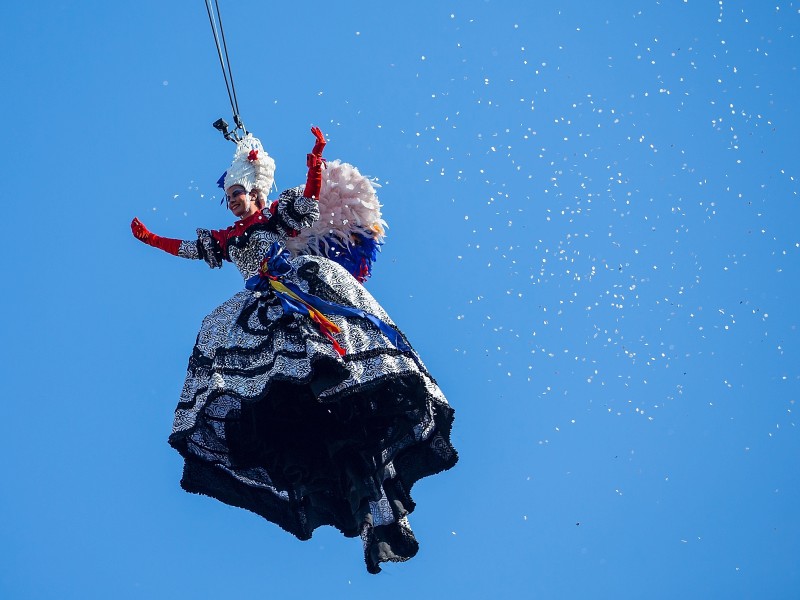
{"x": 593, "y": 213}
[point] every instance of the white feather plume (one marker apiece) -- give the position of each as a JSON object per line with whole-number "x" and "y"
{"x": 348, "y": 204}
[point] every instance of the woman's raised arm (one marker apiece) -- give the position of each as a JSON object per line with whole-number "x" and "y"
{"x": 314, "y": 161}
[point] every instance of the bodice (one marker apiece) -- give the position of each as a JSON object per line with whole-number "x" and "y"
{"x": 245, "y": 243}
{"x": 249, "y": 245}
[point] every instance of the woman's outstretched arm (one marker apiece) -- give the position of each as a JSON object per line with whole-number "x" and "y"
{"x": 140, "y": 232}
{"x": 209, "y": 245}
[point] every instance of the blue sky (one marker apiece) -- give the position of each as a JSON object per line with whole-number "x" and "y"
{"x": 593, "y": 240}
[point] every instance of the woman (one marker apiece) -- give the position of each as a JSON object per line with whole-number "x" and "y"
{"x": 303, "y": 402}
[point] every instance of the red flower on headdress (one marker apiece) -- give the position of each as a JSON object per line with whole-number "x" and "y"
{"x": 253, "y": 156}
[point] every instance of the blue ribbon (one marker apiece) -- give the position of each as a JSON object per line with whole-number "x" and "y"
{"x": 278, "y": 266}
{"x": 221, "y": 184}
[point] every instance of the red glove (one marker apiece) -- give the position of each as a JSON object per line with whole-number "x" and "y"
{"x": 320, "y": 145}
{"x": 314, "y": 162}
{"x": 140, "y": 232}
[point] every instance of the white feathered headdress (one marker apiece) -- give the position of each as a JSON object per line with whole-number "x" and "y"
{"x": 252, "y": 167}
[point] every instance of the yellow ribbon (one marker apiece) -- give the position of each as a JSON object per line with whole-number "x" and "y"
{"x": 316, "y": 315}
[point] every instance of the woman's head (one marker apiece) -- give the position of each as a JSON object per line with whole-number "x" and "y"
{"x": 241, "y": 202}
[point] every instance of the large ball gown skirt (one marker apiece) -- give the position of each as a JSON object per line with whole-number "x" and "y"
{"x": 272, "y": 419}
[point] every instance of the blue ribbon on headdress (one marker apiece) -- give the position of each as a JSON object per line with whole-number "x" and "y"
{"x": 221, "y": 184}
{"x": 272, "y": 272}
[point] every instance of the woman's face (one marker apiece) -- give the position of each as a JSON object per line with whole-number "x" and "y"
{"x": 240, "y": 203}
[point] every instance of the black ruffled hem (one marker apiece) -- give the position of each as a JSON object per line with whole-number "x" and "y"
{"x": 208, "y": 479}
{"x": 321, "y": 462}
{"x": 388, "y": 543}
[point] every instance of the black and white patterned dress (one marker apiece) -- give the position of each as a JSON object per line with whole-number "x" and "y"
{"x": 272, "y": 419}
